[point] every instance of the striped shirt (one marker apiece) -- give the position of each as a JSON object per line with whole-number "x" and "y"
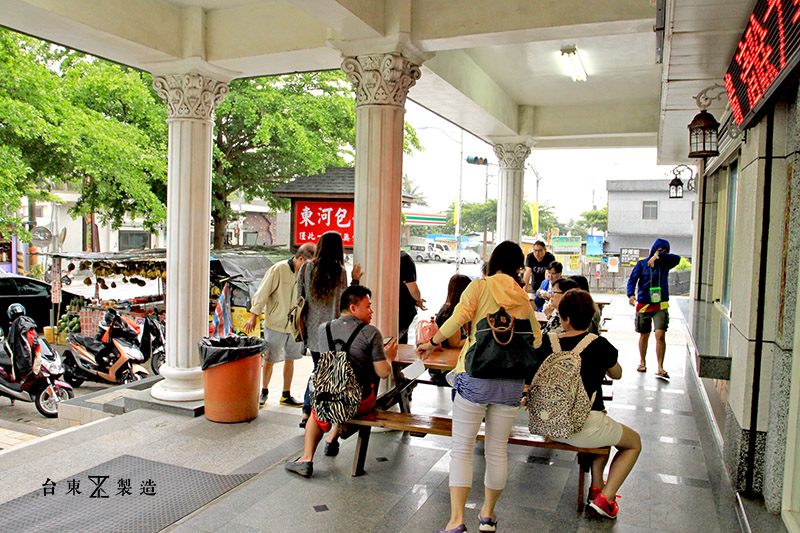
{"x": 486, "y": 391}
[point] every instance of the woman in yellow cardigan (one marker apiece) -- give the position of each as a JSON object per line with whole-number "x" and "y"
{"x": 496, "y": 400}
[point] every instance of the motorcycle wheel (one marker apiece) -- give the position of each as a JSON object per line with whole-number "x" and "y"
{"x": 47, "y": 403}
{"x": 66, "y": 281}
{"x": 70, "y": 371}
{"x": 128, "y": 377}
{"x": 141, "y": 375}
{"x": 158, "y": 359}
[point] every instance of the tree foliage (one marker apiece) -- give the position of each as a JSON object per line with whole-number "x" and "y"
{"x": 67, "y": 117}
{"x": 597, "y": 219}
{"x": 270, "y": 130}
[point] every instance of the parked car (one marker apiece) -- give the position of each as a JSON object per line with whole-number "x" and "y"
{"x": 466, "y": 256}
{"x": 419, "y": 252}
{"x": 33, "y": 294}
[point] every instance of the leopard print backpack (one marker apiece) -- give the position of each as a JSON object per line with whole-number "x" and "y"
{"x": 557, "y": 403}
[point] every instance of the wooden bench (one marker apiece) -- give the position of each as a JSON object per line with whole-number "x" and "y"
{"x": 421, "y": 425}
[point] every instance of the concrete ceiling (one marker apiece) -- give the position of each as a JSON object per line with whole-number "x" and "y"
{"x": 495, "y": 67}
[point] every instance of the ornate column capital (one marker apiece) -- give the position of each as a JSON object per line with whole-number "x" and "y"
{"x": 381, "y": 79}
{"x": 190, "y": 96}
{"x": 512, "y": 156}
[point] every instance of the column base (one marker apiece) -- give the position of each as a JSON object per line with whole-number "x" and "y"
{"x": 179, "y": 384}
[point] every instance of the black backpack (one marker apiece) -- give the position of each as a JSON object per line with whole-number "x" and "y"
{"x": 337, "y": 394}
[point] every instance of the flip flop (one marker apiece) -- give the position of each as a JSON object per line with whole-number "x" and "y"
{"x": 641, "y": 368}
{"x": 663, "y": 375}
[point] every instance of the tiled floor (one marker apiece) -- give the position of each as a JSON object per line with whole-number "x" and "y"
{"x": 678, "y": 483}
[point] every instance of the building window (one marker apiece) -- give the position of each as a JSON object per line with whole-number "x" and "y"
{"x": 133, "y": 240}
{"x": 650, "y": 210}
{"x": 39, "y": 211}
{"x": 730, "y": 235}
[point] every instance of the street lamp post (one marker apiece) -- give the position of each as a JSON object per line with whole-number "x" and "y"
{"x": 460, "y": 178}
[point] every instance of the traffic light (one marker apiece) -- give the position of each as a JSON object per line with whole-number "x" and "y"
{"x": 475, "y": 160}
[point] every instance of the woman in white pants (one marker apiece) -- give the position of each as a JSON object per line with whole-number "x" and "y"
{"x": 496, "y": 400}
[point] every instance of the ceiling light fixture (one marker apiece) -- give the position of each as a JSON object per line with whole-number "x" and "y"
{"x": 571, "y": 56}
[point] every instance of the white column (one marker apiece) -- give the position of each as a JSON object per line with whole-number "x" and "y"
{"x": 381, "y": 83}
{"x": 191, "y": 100}
{"x": 509, "y": 199}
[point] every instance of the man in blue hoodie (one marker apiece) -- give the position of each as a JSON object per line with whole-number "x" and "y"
{"x": 652, "y": 300}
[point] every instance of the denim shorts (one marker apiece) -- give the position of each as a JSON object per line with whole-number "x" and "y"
{"x": 644, "y": 321}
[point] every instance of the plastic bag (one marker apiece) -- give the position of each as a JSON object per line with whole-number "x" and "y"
{"x": 218, "y": 350}
{"x": 425, "y": 330}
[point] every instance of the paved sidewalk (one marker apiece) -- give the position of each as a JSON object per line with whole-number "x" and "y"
{"x": 677, "y": 485}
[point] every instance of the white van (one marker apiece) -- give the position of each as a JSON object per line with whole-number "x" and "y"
{"x": 438, "y": 250}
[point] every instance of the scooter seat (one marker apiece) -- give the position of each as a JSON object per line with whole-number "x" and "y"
{"x": 94, "y": 346}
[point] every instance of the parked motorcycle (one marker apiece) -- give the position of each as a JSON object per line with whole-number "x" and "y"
{"x": 114, "y": 356}
{"x": 154, "y": 342}
{"x": 44, "y": 389}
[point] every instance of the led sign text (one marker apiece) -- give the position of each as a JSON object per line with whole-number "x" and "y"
{"x": 764, "y": 57}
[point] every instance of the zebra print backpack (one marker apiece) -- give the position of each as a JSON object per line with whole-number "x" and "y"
{"x": 337, "y": 393}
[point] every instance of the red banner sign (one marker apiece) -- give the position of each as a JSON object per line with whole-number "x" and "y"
{"x": 312, "y": 219}
{"x": 764, "y": 57}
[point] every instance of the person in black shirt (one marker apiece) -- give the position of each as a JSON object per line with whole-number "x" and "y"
{"x": 410, "y": 297}
{"x": 535, "y": 266}
{"x": 598, "y": 359}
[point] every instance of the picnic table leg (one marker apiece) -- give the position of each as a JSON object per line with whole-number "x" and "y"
{"x": 361, "y": 451}
{"x": 585, "y": 464}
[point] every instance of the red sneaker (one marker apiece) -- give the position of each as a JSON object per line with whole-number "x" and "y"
{"x": 594, "y": 491}
{"x": 605, "y": 507}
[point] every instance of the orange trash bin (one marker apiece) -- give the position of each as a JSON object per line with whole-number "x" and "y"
{"x": 232, "y": 387}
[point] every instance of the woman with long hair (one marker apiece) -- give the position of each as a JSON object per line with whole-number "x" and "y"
{"x": 458, "y": 283}
{"x": 476, "y": 399}
{"x": 321, "y": 282}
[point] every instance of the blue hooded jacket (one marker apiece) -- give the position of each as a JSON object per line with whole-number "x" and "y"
{"x": 643, "y": 274}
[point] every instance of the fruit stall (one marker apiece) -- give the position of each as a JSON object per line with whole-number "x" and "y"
{"x": 119, "y": 280}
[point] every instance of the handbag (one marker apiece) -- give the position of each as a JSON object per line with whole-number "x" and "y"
{"x": 503, "y": 348}
{"x": 296, "y": 320}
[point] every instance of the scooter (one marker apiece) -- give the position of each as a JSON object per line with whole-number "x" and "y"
{"x": 114, "y": 356}
{"x": 44, "y": 389}
{"x": 154, "y": 343}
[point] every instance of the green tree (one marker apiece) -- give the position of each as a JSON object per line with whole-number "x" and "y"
{"x": 409, "y": 187}
{"x": 53, "y": 128}
{"x": 547, "y": 219}
{"x": 271, "y": 130}
{"x": 597, "y": 219}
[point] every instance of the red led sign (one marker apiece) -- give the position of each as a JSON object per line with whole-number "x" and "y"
{"x": 764, "y": 57}
{"x": 313, "y": 218}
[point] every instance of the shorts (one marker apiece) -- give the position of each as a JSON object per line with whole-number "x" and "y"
{"x": 282, "y": 346}
{"x": 659, "y": 318}
{"x": 598, "y": 431}
{"x": 367, "y": 405}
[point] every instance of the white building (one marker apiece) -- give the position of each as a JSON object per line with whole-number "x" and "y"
{"x": 640, "y": 211}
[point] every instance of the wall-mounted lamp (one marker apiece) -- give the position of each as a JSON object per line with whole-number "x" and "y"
{"x": 572, "y": 58}
{"x": 676, "y": 185}
{"x": 703, "y": 139}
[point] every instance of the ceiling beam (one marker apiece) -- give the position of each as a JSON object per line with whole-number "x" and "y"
{"x": 438, "y": 25}
{"x": 350, "y": 19}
